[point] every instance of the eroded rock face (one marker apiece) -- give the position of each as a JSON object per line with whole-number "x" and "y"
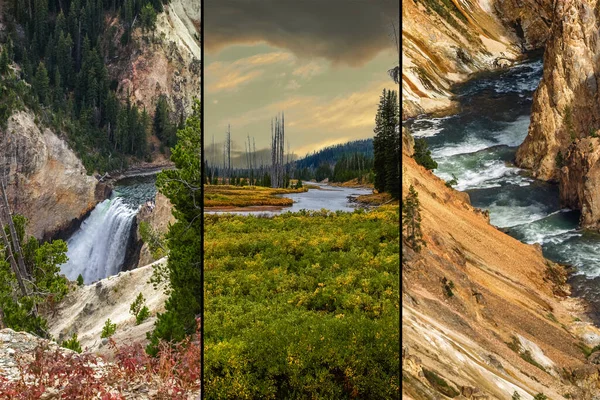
{"x": 579, "y": 181}
{"x": 166, "y": 61}
{"x": 444, "y": 42}
{"x": 408, "y": 142}
{"x": 565, "y": 105}
{"x": 47, "y": 183}
{"x": 561, "y": 144}
{"x": 158, "y": 219}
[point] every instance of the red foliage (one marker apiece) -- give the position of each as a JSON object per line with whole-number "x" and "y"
{"x": 173, "y": 374}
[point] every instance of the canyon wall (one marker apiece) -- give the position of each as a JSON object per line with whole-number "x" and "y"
{"x": 561, "y": 143}
{"x": 443, "y": 42}
{"x": 47, "y": 183}
{"x": 164, "y": 61}
{"x": 485, "y": 313}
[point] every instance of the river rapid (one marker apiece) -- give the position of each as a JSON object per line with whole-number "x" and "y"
{"x": 478, "y": 147}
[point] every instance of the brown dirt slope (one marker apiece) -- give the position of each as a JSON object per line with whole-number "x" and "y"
{"x": 504, "y": 292}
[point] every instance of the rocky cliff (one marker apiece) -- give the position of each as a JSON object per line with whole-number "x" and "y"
{"x": 47, "y": 183}
{"x": 165, "y": 61}
{"x": 561, "y": 145}
{"x": 443, "y": 42}
{"x": 484, "y": 315}
{"x": 85, "y": 309}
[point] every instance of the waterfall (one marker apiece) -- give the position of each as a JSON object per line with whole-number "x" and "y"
{"x": 97, "y": 250}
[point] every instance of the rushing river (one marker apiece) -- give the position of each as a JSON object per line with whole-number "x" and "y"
{"x": 99, "y": 247}
{"x": 478, "y": 147}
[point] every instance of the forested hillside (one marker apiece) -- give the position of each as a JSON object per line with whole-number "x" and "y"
{"x": 337, "y": 163}
{"x": 54, "y": 61}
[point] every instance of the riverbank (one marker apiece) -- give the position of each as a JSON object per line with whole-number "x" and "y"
{"x": 216, "y": 196}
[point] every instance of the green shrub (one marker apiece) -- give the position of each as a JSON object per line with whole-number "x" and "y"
{"x": 109, "y": 329}
{"x": 540, "y": 396}
{"x": 142, "y": 315}
{"x": 79, "y": 280}
{"x": 422, "y": 154}
{"x": 139, "y": 310}
{"x": 72, "y": 344}
{"x": 302, "y": 305}
{"x": 559, "y": 160}
{"x": 440, "y": 383}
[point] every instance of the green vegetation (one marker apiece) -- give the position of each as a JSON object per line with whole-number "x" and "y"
{"x": 108, "y": 329}
{"x": 452, "y": 182}
{"x": 233, "y": 196}
{"x": 29, "y": 278}
{"x": 154, "y": 240}
{"x": 540, "y": 396}
{"x": 559, "y": 160}
{"x": 568, "y": 122}
{"x": 448, "y": 286}
{"x": 515, "y": 346}
{"x": 386, "y": 145}
{"x": 516, "y": 396}
{"x": 72, "y": 344}
{"x": 302, "y": 305}
{"x": 422, "y": 154}
{"x": 411, "y": 220}
{"x": 182, "y": 186}
{"x": 139, "y": 310}
{"x": 61, "y": 47}
{"x": 79, "y": 280}
{"x": 440, "y": 383}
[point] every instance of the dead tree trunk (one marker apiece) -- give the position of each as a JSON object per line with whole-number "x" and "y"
{"x": 13, "y": 234}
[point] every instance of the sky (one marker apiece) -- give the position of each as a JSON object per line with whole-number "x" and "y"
{"x": 323, "y": 63}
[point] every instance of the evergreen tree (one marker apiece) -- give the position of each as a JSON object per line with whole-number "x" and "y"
{"x": 148, "y": 18}
{"x": 392, "y": 158}
{"x": 379, "y": 144}
{"x": 163, "y": 129}
{"x": 4, "y": 62}
{"x": 411, "y": 220}
{"x": 42, "y": 83}
{"x": 183, "y": 188}
{"x": 422, "y": 154}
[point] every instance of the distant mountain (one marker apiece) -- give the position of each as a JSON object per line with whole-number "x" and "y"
{"x": 330, "y": 155}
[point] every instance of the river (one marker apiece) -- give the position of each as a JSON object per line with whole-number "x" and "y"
{"x": 332, "y": 198}
{"x": 478, "y": 147}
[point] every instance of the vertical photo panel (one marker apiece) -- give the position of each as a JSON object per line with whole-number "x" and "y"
{"x": 100, "y": 199}
{"x": 301, "y": 200}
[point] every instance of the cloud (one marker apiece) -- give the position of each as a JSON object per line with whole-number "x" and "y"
{"x": 227, "y": 76}
{"x": 342, "y": 31}
{"x": 309, "y": 70}
{"x": 308, "y": 119}
{"x": 293, "y": 85}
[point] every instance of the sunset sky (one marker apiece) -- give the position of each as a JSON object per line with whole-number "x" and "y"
{"x": 323, "y": 63}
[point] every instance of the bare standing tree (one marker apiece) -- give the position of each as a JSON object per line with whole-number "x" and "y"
{"x": 395, "y": 72}
{"x": 277, "y": 146}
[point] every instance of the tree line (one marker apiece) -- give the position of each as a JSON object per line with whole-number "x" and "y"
{"x": 386, "y": 144}
{"x": 62, "y": 48}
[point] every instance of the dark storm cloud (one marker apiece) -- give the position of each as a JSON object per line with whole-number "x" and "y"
{"x": 343, "y": 31}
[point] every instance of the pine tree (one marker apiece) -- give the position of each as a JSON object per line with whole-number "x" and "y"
{"x": 392, "y": 148}
{"x": 411, "y": 220}
{"x": 422, "y": 154}
{"x": 183, "y": 187}
{"x": 42, "y": 83}
{"x": 379, "y": 144}
{"x": 4, "y": 62}
{"x": 148, "y": 18}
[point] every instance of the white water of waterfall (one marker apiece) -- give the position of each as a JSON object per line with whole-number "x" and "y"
{"x": 97, "y": 250}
